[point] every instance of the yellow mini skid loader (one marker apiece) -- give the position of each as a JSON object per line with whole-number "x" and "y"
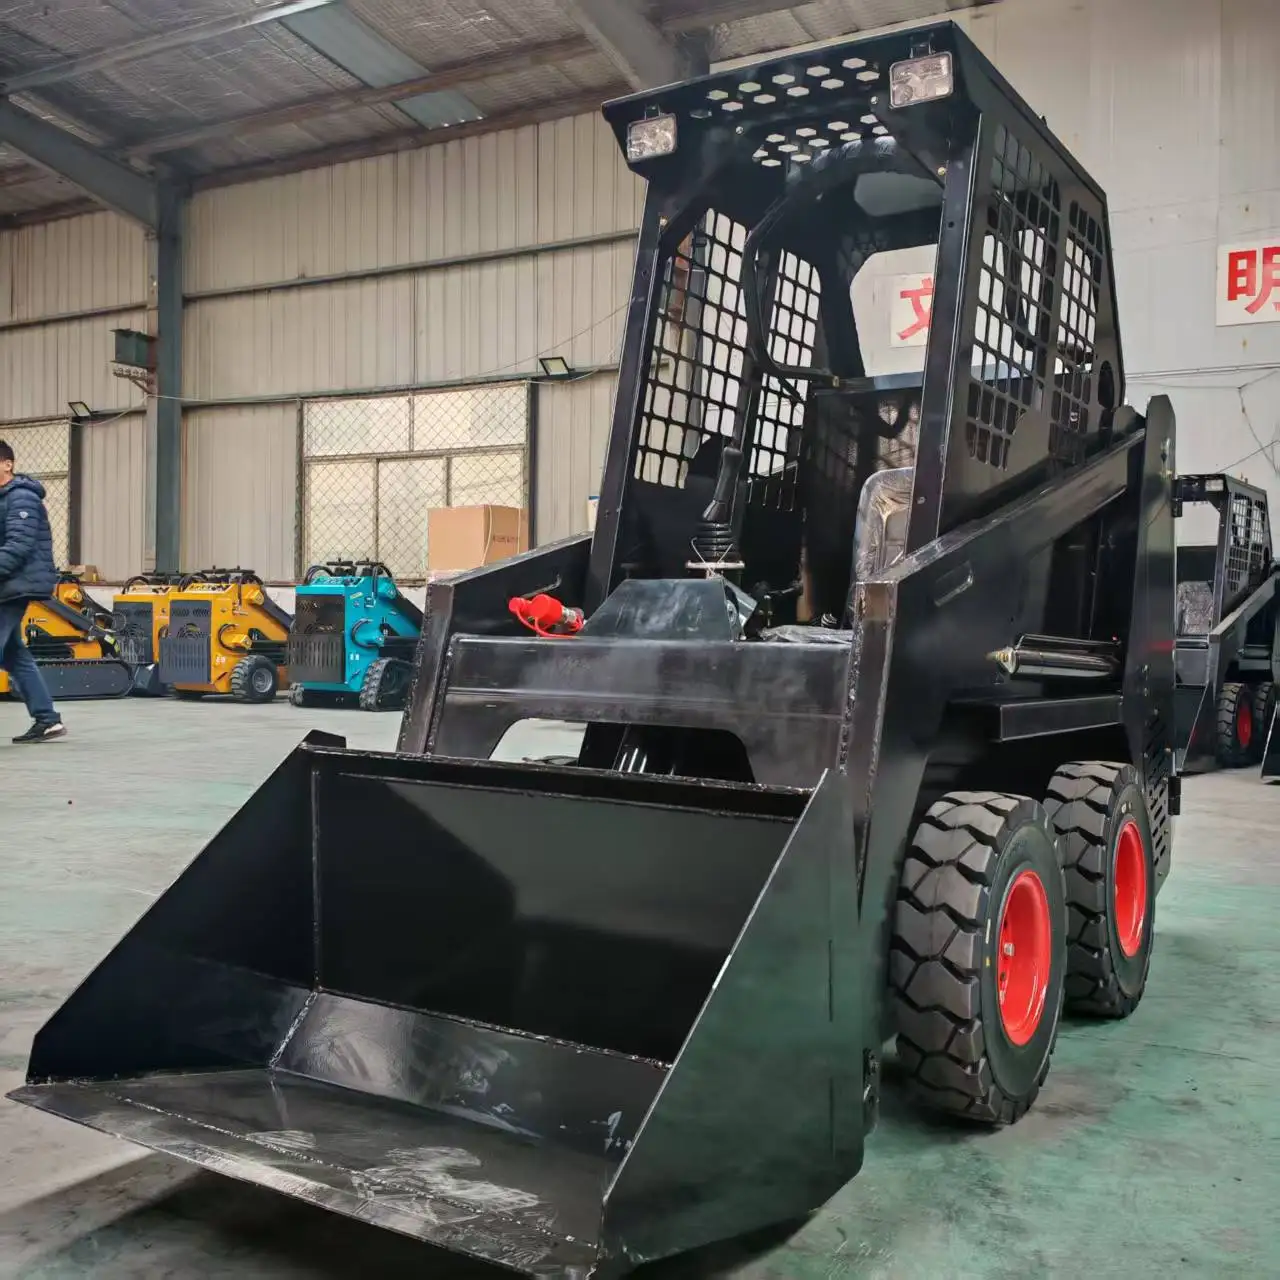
{"x": 225, "y": 636}
{"x": 140, "y": 616}
{"x": 71, "y": 639}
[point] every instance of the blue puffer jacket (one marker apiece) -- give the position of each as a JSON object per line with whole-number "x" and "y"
{"x": 27, "y": 571}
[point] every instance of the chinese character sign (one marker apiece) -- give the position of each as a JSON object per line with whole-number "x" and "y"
{"x": 910, "y": 310}
{"x": 1249, "y": 281}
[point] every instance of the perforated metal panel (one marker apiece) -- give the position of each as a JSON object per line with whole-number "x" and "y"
{"x": 1248, "y": 545}
{"x": 1045, "y": 368}
{"x": 698, "y": 352}
{"x": 133, "y": 622}
{"x": 1012, "y": 327}
{"x": 317, "y": 640}
{"x": 797, "y": 294}
{"x": 697, "y": 378}
{"x": 185, "y": 650}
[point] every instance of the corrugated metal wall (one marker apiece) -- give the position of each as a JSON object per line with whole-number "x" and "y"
{"x": 240, "y": 493}
{"x": 434, "y": 266}
{"x": 573, "y": 433}
{"x": 113, "y": 501}
{"x": 56, "y": 283}
{"x": 63, "y": 287}
{"x": 468, "y": 261}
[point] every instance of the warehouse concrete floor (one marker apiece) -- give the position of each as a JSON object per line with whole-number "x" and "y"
{"x": 1153, "y": 1150}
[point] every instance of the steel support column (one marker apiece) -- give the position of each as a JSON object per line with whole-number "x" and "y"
{"x": 164, "y": 407}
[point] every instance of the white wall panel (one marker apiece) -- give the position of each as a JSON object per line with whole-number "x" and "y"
{"x": 74, "y": 264}
{"x": 467, "y": 321}
{"x": 239, "y": 490}
{"x": 498, "y": 317}
{"x": 1250, "y": 119}
{"x": 573, "y": 425}
{"x": 484, "y": 194}
{"x": 113, "y": 500}
{"x": 44, "y": 367}
{"x": 327, "y": 338}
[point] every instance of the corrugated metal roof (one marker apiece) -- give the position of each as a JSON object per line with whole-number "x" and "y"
{"x": 219, "y": 81}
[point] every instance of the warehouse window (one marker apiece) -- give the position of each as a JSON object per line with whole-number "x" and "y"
{"x": 374, "y": 467}
{"x": 44, "y": 451}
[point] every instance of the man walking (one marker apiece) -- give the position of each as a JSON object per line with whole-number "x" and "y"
{"x": 27, "y": 573}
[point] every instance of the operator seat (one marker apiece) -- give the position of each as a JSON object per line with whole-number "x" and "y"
{"x": 880, "y": 530}
{"x": 879, "y": 542}
{"x": 1195, "y": 608}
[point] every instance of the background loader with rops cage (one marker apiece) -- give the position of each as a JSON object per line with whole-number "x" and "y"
{"x": 877, "y": 680}
{"x": 1227, "y": 654}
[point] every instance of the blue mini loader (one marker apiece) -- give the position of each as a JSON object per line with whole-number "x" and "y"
{"x": 353, "y": 638}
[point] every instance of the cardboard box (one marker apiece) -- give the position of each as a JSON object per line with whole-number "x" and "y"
{"x": 468, "y": 537}
{"x": 85, "y": 572}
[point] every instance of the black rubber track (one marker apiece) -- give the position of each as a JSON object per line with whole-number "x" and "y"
{"x": 944, "y": 913}
{"x": 1230, "y": 753}
{"x": 1081, "y": 801}
{"x": 383, "y": 671}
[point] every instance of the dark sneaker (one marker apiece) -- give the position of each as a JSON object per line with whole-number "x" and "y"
{"x": 43, "y": 732}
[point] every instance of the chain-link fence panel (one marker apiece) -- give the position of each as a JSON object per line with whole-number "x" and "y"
{"x": 374, "y": 467}
{"x": 43, "y": 450}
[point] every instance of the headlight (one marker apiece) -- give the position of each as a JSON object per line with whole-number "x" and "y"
{"x": 652, "y": 137}
{"x": 920, "y": 80}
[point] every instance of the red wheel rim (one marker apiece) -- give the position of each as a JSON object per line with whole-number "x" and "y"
{"x": 1130, "y": 903}
{"x": 1244, "y": 726}
{"x": 1022, "y": 968}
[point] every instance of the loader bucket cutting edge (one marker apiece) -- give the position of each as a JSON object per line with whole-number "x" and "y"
{"x": 514, "y": 1024}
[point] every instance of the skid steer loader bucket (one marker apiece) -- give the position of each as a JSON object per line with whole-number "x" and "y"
{"x": 516, "y": 1025}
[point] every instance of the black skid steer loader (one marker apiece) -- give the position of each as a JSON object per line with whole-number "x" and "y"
{"x": 877, "y": 675}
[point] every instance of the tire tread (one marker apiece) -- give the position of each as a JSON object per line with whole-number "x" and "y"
{"x": 1227, "y": 747}
{"x": 936, "y": 956}
{"x": 1079, "y": 800}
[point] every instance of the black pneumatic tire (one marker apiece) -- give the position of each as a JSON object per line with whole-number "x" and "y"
{"x": 1110, "y": 884}
{"x": 974, "y": 854}
{"x": 1264, "y": 706}
{"x": 298, "y": 696}
{"x": 254, "y": 679}
{"x": 1236, "y": 731}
